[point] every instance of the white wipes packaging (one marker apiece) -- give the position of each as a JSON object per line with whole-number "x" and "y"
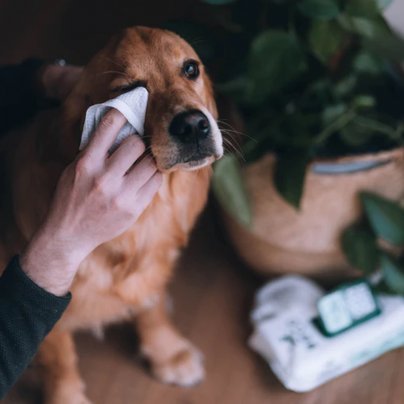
{"x": 298, "y": 352}
{"x": 132, "y": 105}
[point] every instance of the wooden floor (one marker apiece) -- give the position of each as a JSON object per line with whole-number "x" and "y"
{"x": 212, "y": 295}
{"x": 212, "y": 290}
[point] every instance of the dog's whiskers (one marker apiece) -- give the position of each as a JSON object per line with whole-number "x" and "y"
{"x": 233, "y": 148}
{"x": 235, "y": 152}
{"x": 229, "y": 128}
{"x": 228, "y": 136}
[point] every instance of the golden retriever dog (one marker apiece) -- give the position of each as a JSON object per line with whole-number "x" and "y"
{"x": 126, "y": 278}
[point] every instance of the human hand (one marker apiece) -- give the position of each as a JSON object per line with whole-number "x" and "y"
{"x": 98, "y": 197}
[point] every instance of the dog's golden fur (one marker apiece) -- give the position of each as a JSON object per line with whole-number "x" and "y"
{"x": 126, "y": 278}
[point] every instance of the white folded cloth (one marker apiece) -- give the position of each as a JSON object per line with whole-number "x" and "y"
{"x": 132, "y": 105}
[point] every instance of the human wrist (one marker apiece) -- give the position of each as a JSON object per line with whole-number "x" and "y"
{"x": 51, "y": 262}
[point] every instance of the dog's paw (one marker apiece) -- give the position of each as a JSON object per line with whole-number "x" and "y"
{"x": 184, "y": 368}
{"x": 67, "y": 395}
{"x": 71, "y": 399}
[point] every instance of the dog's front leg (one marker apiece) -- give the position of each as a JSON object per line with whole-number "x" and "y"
{"x": 173, "y": 358}
{"x": 58, "y": 359}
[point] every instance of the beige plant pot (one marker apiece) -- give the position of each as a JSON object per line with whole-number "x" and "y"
{"x": 283, "y": 240}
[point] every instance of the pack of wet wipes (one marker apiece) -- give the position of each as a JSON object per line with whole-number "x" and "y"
{"x": 309, "y": 337}
{"x": 132, "y": 105}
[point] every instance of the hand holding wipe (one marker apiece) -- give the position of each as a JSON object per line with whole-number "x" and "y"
{"x": 132, "y": 105}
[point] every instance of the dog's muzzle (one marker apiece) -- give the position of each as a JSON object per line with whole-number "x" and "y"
{"x": 196, "y": 137}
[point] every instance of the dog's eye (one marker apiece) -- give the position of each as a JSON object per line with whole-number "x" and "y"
{"x": 191, "y": 69}
{"x": 130, "y": 86}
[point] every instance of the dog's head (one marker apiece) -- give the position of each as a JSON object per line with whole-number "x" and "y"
{"x": 180, "y": 126}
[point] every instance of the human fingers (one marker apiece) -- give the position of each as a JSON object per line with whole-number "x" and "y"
{"x": 122, "y": 159}
{"x": 140, "y": 173}
{"x": 105, "y": 133}
{"x": 147, "y": 192}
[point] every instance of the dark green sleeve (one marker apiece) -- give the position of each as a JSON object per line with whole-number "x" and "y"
{"x": 27, "y": 314}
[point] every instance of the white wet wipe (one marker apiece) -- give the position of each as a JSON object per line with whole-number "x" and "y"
{"x": 132, "y": 105}
{"x": 297, "y": 351}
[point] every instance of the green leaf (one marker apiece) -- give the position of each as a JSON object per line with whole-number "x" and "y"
{"x": 325, "y": 39}
{"x": 393, "y": 273}
{"x": 385, "y": 217}
{"x": 339, "y": 123}
{"x": 376, "y": 35}
{"x": 359, "y": 245}
{"x": 354, "y": 134}
{"x": 290, "y": 172}
{"x": 386, "y": 44}
{"x": 345, "y": 86}
{"x": 332, "y": 112}
{"x": 218, "y": 2}
{"x": 237, "y": 88}
{"x": 321, "y": 9}
{"x": 382, "y": 4}
{"x": 368, "y": 63}
{"x": 229, "y": 188}
{"x": 362, "y": 8}
{"x": 362, "y": 129}
{"x": 372, "y": 28}
{"x": 275, "y": 60}
{"x": 363, "y": 101}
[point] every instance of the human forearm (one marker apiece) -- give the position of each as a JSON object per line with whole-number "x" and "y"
{"x": 27, "y": 313}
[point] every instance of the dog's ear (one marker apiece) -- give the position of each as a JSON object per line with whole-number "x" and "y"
{"x": 61, "y": 138}
{"x": 71, "y": 122}
{"x": 91, "y": 88}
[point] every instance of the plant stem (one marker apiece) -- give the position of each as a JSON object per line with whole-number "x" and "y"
{"x": 379, "y": 126}
{"x": 338, "y": 124}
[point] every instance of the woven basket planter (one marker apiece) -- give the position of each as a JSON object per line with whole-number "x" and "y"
{"x": 282, "y": 240}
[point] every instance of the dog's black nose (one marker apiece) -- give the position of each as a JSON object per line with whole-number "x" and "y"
{"x": 189, "y": 126}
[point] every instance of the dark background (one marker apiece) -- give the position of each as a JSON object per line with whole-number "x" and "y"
{"x": 75, "y": 29}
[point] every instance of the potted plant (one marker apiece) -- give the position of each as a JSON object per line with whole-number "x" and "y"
{"x": 318, "y": 87}
{"x": 375, "y": 244}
